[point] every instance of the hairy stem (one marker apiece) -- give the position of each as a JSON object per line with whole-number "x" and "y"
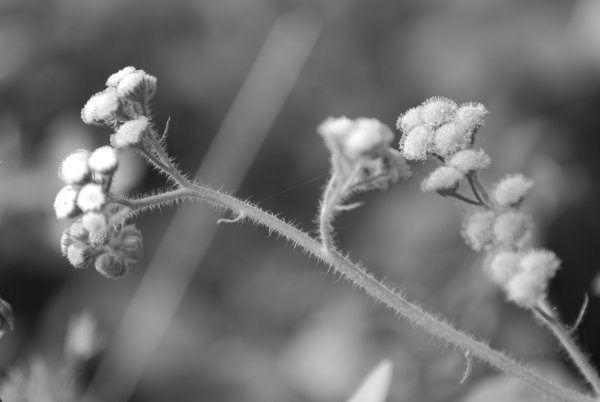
{"x": 478, "y": 189}
{"x": 544, "y": 313}
{"x": 361, "y": 278}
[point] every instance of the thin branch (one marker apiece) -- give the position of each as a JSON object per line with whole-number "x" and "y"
{"x": 397, "y": 302}
{"x": 543, "y": 313}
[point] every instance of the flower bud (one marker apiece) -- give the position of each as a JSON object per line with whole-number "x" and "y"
{"x": 542, "y": 264}
{"x": 96, "y": 225}
{"x": 78, "y": 232}
{"x": 409, "y": 120}
{"x": 91, "y": 197}
{"x": 512, "y": 228}
{"x": 471, "y": 115}
{"x": 101, "y": 107}
{"x": 452, "y": 137}
{"x": 437, "y": 111}
{"x": 511, "y": 190}
{"x": 478, "y": 229}
{"x": 503, "y": 266}
{"x": 443, "y": 180}
{"x": 530, "y": 285}
{"x": 525, "y": 290}
{"x": 80, "y": 255}
{"x": 115, "y": 78}
{"x": 74, "y": 169}
{"x": 137, "y": 85}
{"x": 417, "y": 143}
{"x": 65, "y": 203}
{"x": 470, "y": 160}
{"x": 130, "y": 133}
{"x": 367, "y": 138}
{"x": 110, "y": 265}
{"x": 104, "y": 160}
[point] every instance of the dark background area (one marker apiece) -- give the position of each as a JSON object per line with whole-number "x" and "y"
{"x": 258, "y": 321}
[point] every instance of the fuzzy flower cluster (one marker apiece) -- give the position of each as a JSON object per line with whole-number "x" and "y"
{"x": 442, "y": 129}
{"x": 360, "y": 149}
{"x": 93, "y": 239}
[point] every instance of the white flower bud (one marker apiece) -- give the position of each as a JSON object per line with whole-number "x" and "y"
{"x": 91, "y": 197}
{"x": 104, "y": 160}
{"x": 114, "y": 79}
{"x": 133, "y": 85}
{"x": 442, "y": 180}
{"x": 478, "y": 229}
{"x": 503, "y": 266}
{"x": 437, "y": 111}
{"x": 512, "y": 228}
{"x": 131, "y": 244}
{"x": 409, "y": 120}
{"x": 130, "y": 133}
{"x": 452, "y": 137}
{"x": 78, "y": 232}
{"x": 511, "y": 190}
{"x": 65, "y": 203}
{"x": 65, "y": 241}
{"x": 96, "y": 225}
{"x": 470, "y": 160}
{"x": 542, "y": 264}
{"x": 80, "y": 255}
{"x": 525, "y": 290}
{"x": 150, "y": 83}
{"x": 101, "y": 107}
{"x": 110, "y": 265}
{"x": 367, "y": 138}
{"x": 417, "y": 143}
{"x": 471, "y": 115}
{"x": 74, "y": 169}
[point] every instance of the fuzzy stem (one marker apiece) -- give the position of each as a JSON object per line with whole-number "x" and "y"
{"x": 327, "y": 210}
{"x": 468, "y": 200}
{"x": 164, "y": 167}
{"x": 478, "y": 189}
{"x": 380, "y": 292}
{"x": 544, "y": 313}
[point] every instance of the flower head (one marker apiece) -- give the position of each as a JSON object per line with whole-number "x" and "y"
{"x": 101, "y": 107}
{"x": 437, "y": 111}
{"x": 511, "y": 190}
{"x": 65, "y": 203}
{"x": 470, "y": 160}
{"x": 104, "y": 160}
{"x": 452, "y": 137}
{"x": 443, "y": 180}
{"x": 409, "y": 120}
{"x": 478, "y": 229}
{"x": 130, "y": 133}
{"x": 512, "y": 228}
{"x": 417, "y": 143}
{"x": 91, "y": 197}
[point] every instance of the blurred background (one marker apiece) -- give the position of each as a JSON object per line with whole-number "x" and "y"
{"x": 229, "y": 313}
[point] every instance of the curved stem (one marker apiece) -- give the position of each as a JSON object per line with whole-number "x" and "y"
{"x": 357, "y": 275}
{"x": 544, "y": 313}
{"x": 326, "y": 212}
{"x": 478, "y": 189}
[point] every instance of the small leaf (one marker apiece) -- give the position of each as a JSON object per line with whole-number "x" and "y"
{"x": 376, "y": 386}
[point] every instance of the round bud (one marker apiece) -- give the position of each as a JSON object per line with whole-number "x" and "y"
{"x": 452, "y": 137}
{"x": 367, "y": 138}
{"x": 130, "y": 133}
{"x": 65, "y": 241}
{"x": 417, "y": 143}
{"x": 65, "y": 203}
{"x": 101, "y": 107}
{"x": 115, "y": 78}
{"x": 512, "y": 228}
{"x": 74, "y": 169}
{"x": 503, "y": 266}
{"x": 472, "y": 115}
{"x": 409, "y": 120}
{"x": 104, "y": 160}
{"x": 470, "y": 160}
{"x": 437, "y": 111}
{"x": 132, "y": 85}
{"x": 478, "y": 229}
{"x": 443, "y": 180}
{"x": 78, "y": 232}
{"x": 91, "y": 197}
{"x": 110, "y": 265}
{"x": 80, "y": 255}
{"x": 511, "y": 190}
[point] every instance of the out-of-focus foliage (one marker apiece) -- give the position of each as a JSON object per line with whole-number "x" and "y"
{"x": 259, "y": 321}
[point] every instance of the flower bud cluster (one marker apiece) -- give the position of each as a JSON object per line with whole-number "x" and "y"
{"x": 93, "y": 239}
{"x": 125, "y": 98}
{"x": 360, "y": 149}
{"x": 524, "y": 275}
{"x": 442, "y": 129}
{"x": 110, "y": 249}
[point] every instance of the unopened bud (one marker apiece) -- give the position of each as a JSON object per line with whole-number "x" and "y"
{"x": 74, "y": 169}
{"x": 114, "y": 79}
{"x": 472, "y": 115}
{"x": 65, "y": 203}
{"x": 417, "y": 143}
{"x": 503, "y": 266}
{"x": 132, "y": 244}
{"x": 452, "y": 137}
{"x": 437, "y": 111}
{"x": 478, "y": 229}
{"x": 91, "y": 197}
{"x": 80, "y": 255}
{"x": 512, "y": 228}
{"x": 409, "y": 120}
{"x": 101, "y": 107}
{"x": 443, "y": 180}
{"x": 470, "y": 160}
{"x": 104, "y": 160}
{"x": 511, "y": 190}
{"x": 130, "y": 133}
{"x": 110, "y": 265}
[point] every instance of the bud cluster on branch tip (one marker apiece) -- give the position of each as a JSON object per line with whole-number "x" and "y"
{"x": 442, "y": 129}
{"x": 524, "y": 275}
{"x": 360, "y": 151}
{"x": 125, "y": 98}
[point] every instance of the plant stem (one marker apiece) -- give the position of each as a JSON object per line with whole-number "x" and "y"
{"x": 544, "y": 313}
{"x": 478, "y": 189}
{"x": 361, "y": 278}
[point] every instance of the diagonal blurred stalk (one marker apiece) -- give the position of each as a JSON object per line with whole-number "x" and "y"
{"x": 248, "y": 121}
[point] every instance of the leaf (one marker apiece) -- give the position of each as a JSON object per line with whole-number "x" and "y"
{"x": 376, "y": 386}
